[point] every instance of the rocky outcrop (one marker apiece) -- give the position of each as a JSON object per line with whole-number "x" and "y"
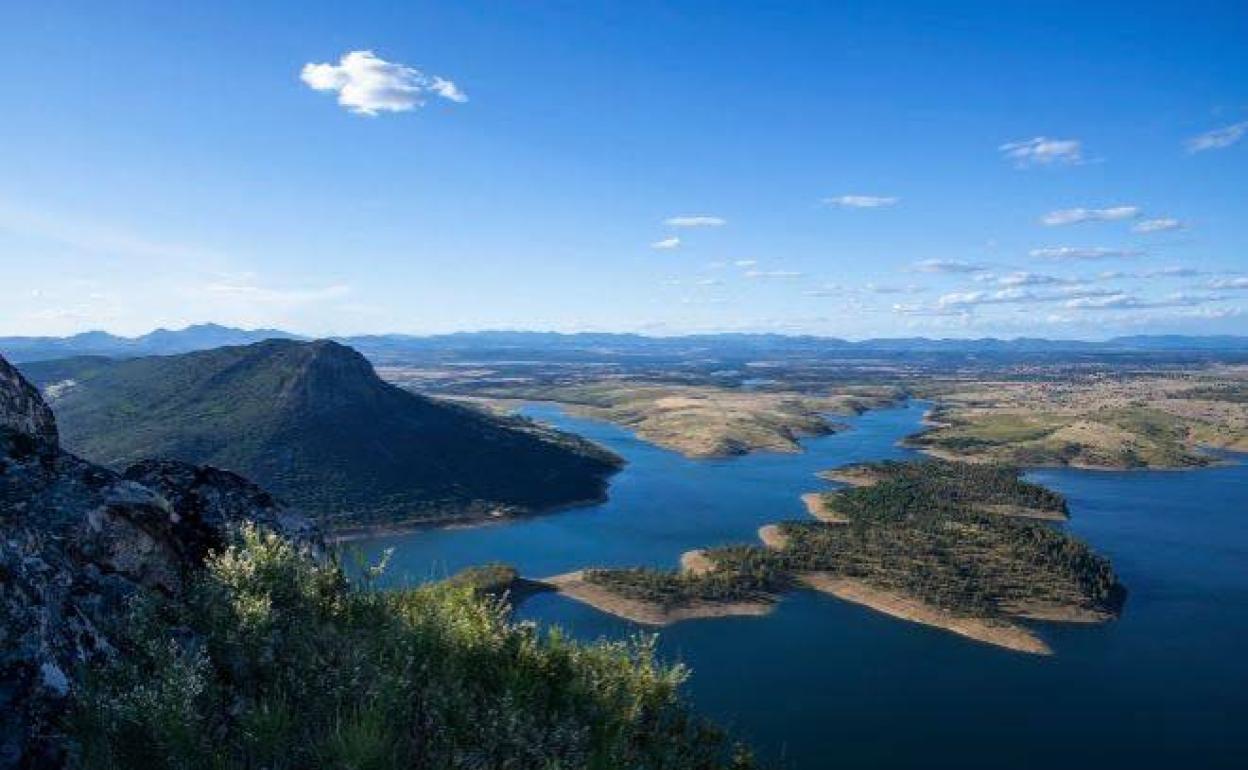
{"x": 77, "y": 543}
{"x": 22, "y": 409}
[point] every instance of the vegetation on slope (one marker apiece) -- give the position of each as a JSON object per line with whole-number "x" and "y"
{"x": 274, "y": 660}
{"x": 915, "y": 487}
{"x": 313, "y": 423}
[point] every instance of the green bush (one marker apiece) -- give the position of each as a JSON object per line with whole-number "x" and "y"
{"x": 273, "y": 660}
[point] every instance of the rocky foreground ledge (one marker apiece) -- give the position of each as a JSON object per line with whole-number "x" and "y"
{"x": 77, "y": 542}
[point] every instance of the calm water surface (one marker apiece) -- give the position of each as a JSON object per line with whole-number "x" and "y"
{"x": 820, "y": 683}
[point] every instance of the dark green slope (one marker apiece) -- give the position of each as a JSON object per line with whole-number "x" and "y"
{"x": 313, "y": 422}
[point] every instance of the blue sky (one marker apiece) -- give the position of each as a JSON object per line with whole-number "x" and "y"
{"x": 852, "y": 169}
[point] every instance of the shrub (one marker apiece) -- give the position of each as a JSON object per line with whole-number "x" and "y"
{"x": 275, "y": 660}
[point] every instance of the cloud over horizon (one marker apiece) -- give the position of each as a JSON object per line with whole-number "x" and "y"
{"x": 954, "y": 266}
{"x": 1080, "y": 252}
{"x": 861, "y": 201}
{"x": 368, "y": 85}
{"x": 695, "y": 221}
{"x": 1077, "y": 215}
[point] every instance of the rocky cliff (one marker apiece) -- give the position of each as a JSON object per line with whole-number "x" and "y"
{"x": 77, "y": 543}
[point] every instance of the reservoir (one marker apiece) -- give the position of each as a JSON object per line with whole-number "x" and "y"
{"x": 820, "y": 683}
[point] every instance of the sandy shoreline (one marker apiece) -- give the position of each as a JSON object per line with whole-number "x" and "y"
{"x": 772, "y": 536}
{"x": 994, "y": 632}
{"x": 818, "y": 507}
{"x": 574, "y": 586}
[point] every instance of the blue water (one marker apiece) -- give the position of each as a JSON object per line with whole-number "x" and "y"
{"x": 820, "y": 683}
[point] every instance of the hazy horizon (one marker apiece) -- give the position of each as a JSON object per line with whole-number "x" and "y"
{"x": 658, "y": 168}
{"x": 649, "y": 335}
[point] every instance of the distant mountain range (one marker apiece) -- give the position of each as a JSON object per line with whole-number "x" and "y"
{"x": 393, "y": 347}
{"x": 161, "y": 342}
{"x": 312, "y": 422}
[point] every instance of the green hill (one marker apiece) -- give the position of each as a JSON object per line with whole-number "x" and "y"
{"x": 313, "y": 422}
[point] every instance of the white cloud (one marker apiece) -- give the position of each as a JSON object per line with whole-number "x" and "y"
{"x": 1077, "y": 215}
{"x": 772, "y": 274}
{"x": 1124, "y": 301}
{"x": 695, "y": 221}
{"x": 746, "y": 262}
{"x": 947, "y": 266}
{"x": 1229, "y": 283}
{"x": 1158, "y": 225}
{"x": 886, "y": 289}
{"x": 1218, "y": 138}
{"x": 1042, "y": 151}
{"x": 1171, "y": 272}
{"x": 254, "y": 293}
{"x": 1076, "y": 252}
{"x": 709, "y": 282}
{"x": 861, "y": 201}
{"x": 1022, "y": 278}
{"x": 367, "y": 85}
{"x": 666, "y": 243}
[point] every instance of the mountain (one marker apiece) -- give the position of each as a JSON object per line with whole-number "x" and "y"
{"x": 312, "y": 422}
{"x": 384, "y": 348}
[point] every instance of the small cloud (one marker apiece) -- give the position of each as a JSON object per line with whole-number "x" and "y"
{"x": 746, "y": 262}
{"x": 367, "y": 85}
{"x": 1042, "y": 151}
{"x": 1022, "y": 278}
{"x": 1229, "y": 283}
{"x": 263, "y": 294}
{"x": 861, "y": 201}
{"x": 1218, "y": 138}
{"x": 1075, "y": 252}
{"x": 1075, "y": 216}
{"x": 772, "y": 274}
{"x": 1080, "y": 290}
{"x": 966, "y": 299}
{"x": 709, "y": 282}
{"x": 1171, "y": 272}
{"x": 886, "y": 289}
{"x": 1161, "y": 224}
{"x": 947, "y": 266}
{"x": 666, "y": 243}
{"x": 695, "y": 221}
{"x": 1123, "y": 301}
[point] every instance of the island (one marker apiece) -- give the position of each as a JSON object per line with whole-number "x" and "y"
{"x": 968, "y": 548}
